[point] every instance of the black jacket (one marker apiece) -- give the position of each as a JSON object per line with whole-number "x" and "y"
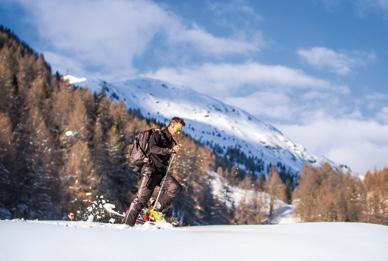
{"x": 160, "y": 145}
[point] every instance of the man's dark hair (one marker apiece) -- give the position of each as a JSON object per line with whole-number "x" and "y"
{"x": 177, "y": 120}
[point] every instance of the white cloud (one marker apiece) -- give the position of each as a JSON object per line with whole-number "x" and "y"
{"x": 382, "y": 115}
{"x": 210, "y": 44}
{"x": 375, "y": 4}
{"x": 376, "y": 97}
{"x": 330, "y": 5}
{"x": 361, "y": 144}
{"x": 238, "y": 17}
{"x": 64, "y": 63}
{"x": 372, "y": 103}
{"x": 225, "y": 79}
{"x": 381, "y": 3}
{"x": 361, "y": 6}
{"x": 239, "y": 10}
{"x": 107, "y": 36}
{"x": 277, "y": 105}
{"x": 268, "y": 104}
{"x": 341, "y": 63}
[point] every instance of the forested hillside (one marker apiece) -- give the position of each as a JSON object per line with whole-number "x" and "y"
{"x": 61, "y": 146}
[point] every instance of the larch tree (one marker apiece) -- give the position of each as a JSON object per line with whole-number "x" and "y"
{"x": 275, "y": 188}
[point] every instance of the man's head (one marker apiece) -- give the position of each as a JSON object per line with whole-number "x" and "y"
{"x": 176, "y": 125}
{"x": 71, "y": 216}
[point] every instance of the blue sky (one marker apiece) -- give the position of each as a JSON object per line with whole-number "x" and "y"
{"x": 315, "y": 69}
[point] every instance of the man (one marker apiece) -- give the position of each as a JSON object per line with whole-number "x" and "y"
{"x": 161, "y": 146}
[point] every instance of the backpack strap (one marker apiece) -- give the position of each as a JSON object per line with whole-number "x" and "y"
{"x": 152, "y": 130}
{"x": 164, "y": 136}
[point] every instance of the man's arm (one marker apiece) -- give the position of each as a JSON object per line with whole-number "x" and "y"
{"x": 153, "y": 143}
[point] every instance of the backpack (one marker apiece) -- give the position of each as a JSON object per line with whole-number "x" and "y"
{"x": 139, "y": 153}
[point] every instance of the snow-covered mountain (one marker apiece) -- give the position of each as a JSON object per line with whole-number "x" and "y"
{"x": 210, "y": 121}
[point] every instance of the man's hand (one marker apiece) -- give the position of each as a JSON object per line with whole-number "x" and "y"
{"x": 176, "y": 148}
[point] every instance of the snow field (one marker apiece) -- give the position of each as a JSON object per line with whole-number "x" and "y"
{"x": 59, "y": 240}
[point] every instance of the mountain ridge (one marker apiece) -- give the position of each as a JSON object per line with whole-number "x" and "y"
{"x": 225, "y": 128}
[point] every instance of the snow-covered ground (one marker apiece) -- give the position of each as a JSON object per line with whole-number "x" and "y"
{"x": 60, "y": 241}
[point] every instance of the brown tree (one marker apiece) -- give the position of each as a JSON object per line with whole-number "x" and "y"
{"x": 78, "y": 178}
{"x": 376, "y": 203}
{"x": 275, "y": 188}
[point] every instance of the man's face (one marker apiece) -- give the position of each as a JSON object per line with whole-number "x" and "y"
{"x": 177, "y": 128}
{"x": 71, "y": 216}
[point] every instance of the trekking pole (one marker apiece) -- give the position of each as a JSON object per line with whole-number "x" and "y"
{"x": 164, "y": 179}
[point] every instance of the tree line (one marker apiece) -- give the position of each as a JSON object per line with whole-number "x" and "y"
{"x": 326, "y": 194}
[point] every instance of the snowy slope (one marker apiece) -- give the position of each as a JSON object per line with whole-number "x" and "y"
{"x": 210, "y": 121}
{"x": 64, "y": 241}
{"x": 233, "y": 196}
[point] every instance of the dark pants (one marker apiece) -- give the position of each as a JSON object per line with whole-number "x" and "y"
{"x": 150, "y": 179}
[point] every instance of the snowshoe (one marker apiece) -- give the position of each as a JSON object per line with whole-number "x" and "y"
{"x": 147, "y": 216}
{"x": 150, "y": 215}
